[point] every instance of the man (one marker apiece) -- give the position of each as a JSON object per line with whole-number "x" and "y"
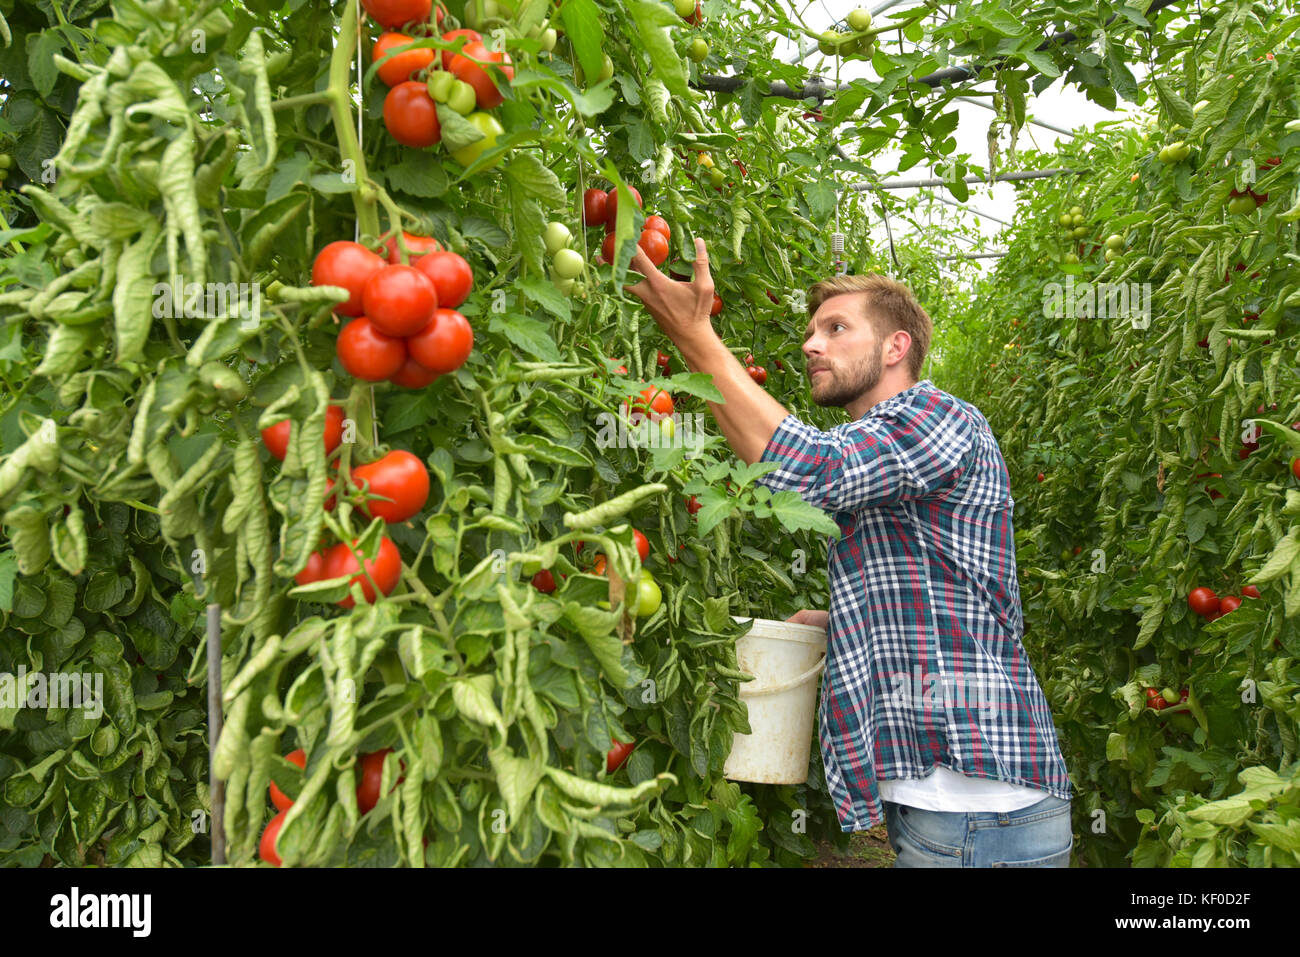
{"x": 931, "y": 717}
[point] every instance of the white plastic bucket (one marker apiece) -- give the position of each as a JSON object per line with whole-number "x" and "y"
{"x": 786, "y": 661}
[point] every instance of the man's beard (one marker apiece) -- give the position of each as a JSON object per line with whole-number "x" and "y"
{"x": 844, "y": 388}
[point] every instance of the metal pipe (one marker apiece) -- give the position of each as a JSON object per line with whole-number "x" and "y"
{"x": 216, "y": 788}
{"x": 989, "y": 106}
{"x": 972, "y": 178}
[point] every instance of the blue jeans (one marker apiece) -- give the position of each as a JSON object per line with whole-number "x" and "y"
{"x": 1036, "y": 836}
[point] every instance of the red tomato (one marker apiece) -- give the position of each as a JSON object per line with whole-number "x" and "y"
{"x": 444, "y": 344}
{"x": 278, "y": 797}
{"x": 450, "y": 274}
{"x": 642, "y": 545}
{"x": 664, "y": 362}
{"x": 1250, "y": 591}
{"x": 544, "y": 581}
{"x": 266, "y": 846}
{"x": 276, "y": 437}
{"x": 595, "y": 207}
{"x": 1203, "y": 601}
{"x": 1041, "y": 476}
{"x": 369, "y": 354}
{"x": 693, "y": 505}
{"x": 411, "y": 116}
{"x": 400, "y": 68}
{"x": 372, "y": 773}
{"x": 386, "y": 569}
{"x": 1295, "y": 467}
{"x": 598, "y": 565}
{"x": 1229, "y": 604}
{"x": 617, "y": 755}
{"x": 417, "y": 245}
{"x": 758, "y": 374}
{"x": 393, "y": 13}
{"x": 347, "y": 264}
{"x": 653, "y": 400}
{"x": 1156, "y": 700}
{"x": 412, "y": 375}
{"x": 400, "y": 300}
{"x": 655, "y": 245}
{"x": 607, "y": 248}
{"x": 313, "y": 571}
{"x": 399, "y": 475}
{"x": 1183, "y": 696}
{"x": 472, "y": 36}
{"x": 717, "y": 305}
{"x": 466, "y": 66}
{"x": 659, "y": 225}
{"x": 611, "y": 203}
{"x": 329, "y": 494}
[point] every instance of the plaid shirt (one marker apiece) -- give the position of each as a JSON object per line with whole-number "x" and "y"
{"x": 924, "y": 664}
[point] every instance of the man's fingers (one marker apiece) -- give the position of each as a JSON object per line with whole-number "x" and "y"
{"x": 701, "y": 260}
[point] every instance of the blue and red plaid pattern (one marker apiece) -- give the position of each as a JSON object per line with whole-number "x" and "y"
{"x": 925, "y": 665}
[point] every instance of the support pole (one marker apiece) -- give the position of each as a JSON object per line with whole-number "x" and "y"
{"x": 972, "y": 178}
{"x": 216, "y": 788}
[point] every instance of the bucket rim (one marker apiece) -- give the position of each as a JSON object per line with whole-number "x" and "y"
{"x": 803, "y": 634}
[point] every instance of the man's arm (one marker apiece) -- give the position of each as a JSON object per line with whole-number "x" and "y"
{"x": 748, "y": 415}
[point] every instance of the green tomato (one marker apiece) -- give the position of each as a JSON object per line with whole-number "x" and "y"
{"x": 829, "y": 43}
{"x": 698, "y": 50}
{"x": 6, "y": 161}
{"x": 529, "y": 569}
{"x": 684, "y": 8}
{"x": 462, "y": 97}
{"x": 440, "y": 83}
{"x": 1066, "y": 554}
{"x": 1076, "y": 210}
{"x": 486, "y": 124}
{"x": 556, "y": 237}
{"x": 859, "y": 20}
{"x": 1112, "y": 255}
{"x": 866, "y": 47}
{"x": 717, "y": 177}
{"x": 564, "y": 285}
{"x": 1170, "y": 695}
{"x": 1183, "y": 151}
{"x": 667, "y": 431}
{"x": 606, "y": 71}
{"x": 1066, "y": 220}
{"x": 1241, "y": 205}
{"x": 1076, "y": 219}
{"x": 1070, "y": 258}
{"x": 568, "y": 264}
{"x": 1114, "y": 241}
{"x": 549, "y": 39}
{"x": 1078, "y": 232}
{"x": 648, "y": 595}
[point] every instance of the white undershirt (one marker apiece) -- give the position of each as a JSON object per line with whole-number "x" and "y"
{"x": 945, "y": 790}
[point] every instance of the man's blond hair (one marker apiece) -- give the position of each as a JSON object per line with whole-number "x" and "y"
{"x": 888, "y": 305}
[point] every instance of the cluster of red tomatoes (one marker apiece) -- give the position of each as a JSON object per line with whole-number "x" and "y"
{"x": 405, "y": 327}
{"x": 1211, "y": 607}
{"x": 419, "y": 78}
{"x": 600, "y": 208}
{"x": 1158, "y": 700}
{"x": 394, "y": 488}
{"x": 372, "y": 772}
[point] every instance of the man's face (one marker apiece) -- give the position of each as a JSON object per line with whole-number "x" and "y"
{"x": 841, "y": 352}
